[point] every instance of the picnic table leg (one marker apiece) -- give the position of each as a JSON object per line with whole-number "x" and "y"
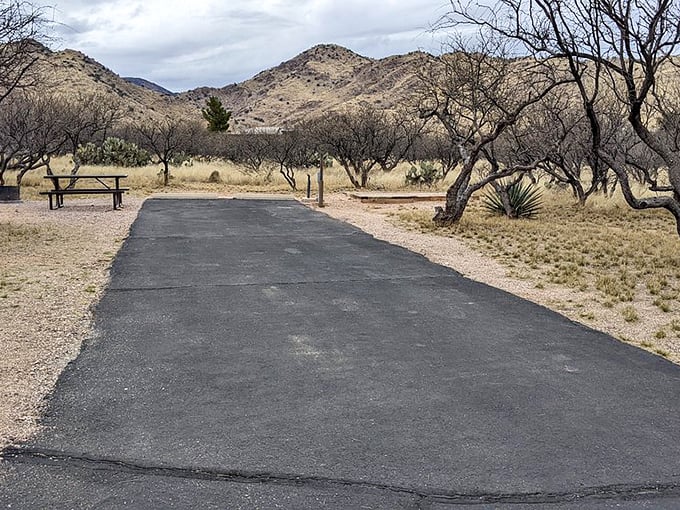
{"x": 49, "y": 197}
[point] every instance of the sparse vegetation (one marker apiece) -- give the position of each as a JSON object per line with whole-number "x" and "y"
{"x": 662, "y": 352}
{"x": 233, "y": 178}
{"x": 484, "y": 122}
{"x": 169, "y": 140}
{"x": 620, "y": 259}
{"x": 630, "y": 314}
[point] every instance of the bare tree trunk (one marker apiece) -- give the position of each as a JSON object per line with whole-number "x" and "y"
{"x": 503, "y": 191}
{"x": 166, "y": 172}
{"x": 579, "y": 192}
{"x": 457, "y": 199}
{"x": 268, "y": 173}
{"x": 364, "y": 177}
{"x": 351, "y": 176}
{"x": 289, "y": 176}
{"x": 24, "y": 171}
{"x": 671, "y": 204}
{"x": 454, "y": 210}
{"x": 74, "y": 171}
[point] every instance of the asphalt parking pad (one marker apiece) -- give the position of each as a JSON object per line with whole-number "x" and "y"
{"x": 316, "y": 362}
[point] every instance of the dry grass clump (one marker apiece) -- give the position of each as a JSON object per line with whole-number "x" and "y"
{"x": 626, "y": 261}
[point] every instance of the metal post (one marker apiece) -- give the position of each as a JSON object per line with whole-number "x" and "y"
{"x": 309, "y": 186}
{"x": 320, "y": 178}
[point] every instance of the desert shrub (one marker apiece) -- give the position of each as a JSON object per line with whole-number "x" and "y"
{"x": 90, "y": 154}
{"x": 181, "y": 159}
{"x": 113, "y": 151}
{"x": 425, "y": 174}
{"x": 524, "y": 200}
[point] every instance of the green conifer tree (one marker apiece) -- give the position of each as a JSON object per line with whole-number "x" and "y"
{"x": 216, "y": 115}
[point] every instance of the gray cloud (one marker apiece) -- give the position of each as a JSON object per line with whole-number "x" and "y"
{"x": 182, "y": 45}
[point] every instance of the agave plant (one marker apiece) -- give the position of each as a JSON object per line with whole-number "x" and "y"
{"x": 523, "y": 200}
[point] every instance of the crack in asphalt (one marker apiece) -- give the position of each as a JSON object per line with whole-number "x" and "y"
{"x": 239, "y": 235}
{"x": 300, "y": 282}
{"x": 619, "y": 492}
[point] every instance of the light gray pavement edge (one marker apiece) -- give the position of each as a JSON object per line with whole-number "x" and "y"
{"x": 258, "y": 354}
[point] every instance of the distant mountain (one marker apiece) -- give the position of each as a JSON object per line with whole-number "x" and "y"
{"x": 70, "y": 72}
{"x": 141, "y": 82}
{"x": 323, "y": 78}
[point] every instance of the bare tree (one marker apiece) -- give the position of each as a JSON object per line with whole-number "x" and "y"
{"x": 555, "y": 131}
{"x": 438, "y": 146}
{"x": 87, "y": 118}
{"x": 250, "y": 151}
{"x": 350, "y": 138}
{"x": 396, "y": 135}
{"x": 291, "y": 150}
{"x": 478, "y": 94}
{"x": 31, "y": 133}
{"x": 361, "y": 140}
{"x": 614, "y": 50}
{"x": 21, "y": 26}
{"x": 166, "y": 139}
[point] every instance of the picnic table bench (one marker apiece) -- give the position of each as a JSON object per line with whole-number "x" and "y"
{"x": 106, "y": 186}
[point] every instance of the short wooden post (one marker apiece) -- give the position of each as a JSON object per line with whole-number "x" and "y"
{"x": 320, "y": 179}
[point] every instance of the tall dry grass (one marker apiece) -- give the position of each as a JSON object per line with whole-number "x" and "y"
{"x": 232, "y": 178}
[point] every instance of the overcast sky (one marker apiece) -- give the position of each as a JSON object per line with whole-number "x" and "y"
{"x": 186, "y": 44}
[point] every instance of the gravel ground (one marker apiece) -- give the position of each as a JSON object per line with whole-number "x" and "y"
{"x": 55, "y": 266}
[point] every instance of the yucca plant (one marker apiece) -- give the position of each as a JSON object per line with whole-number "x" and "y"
{"x": 521, "y": 200}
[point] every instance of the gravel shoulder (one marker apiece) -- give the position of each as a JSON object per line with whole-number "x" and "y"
{"x": 55, "y": 266}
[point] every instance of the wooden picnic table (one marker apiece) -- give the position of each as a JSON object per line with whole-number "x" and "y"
{"x": 107, "y": 184}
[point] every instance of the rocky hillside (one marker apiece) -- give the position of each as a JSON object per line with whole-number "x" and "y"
{"x": 71, "y": 72}
{"x": 322, "y": 78}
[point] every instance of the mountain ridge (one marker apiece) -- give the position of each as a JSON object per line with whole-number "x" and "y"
{"x": 141, "y": 82}
{"x": 322, "y": 78}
